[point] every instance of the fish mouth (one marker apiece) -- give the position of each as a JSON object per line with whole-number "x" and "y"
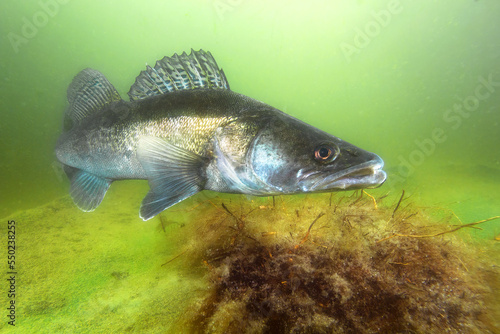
{"x": 366, "y": 175}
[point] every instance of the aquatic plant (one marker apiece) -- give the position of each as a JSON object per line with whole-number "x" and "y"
{"x": 337, "y": 265}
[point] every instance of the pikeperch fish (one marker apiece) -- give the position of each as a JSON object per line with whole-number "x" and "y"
{"x": 184, "y": 131}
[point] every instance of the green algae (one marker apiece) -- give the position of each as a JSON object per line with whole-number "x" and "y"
{"x": 200, "y": 266}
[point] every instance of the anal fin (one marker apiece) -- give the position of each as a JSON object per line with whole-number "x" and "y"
{"x": 174, "y": 174}
{"x": 87, "y": 190}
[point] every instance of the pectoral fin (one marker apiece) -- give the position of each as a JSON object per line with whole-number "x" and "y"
{"x": 174, "y": 174}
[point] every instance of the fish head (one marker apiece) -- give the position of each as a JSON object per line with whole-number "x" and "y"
{"x": 293, "y": 157}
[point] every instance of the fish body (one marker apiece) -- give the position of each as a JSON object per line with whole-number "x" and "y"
{"x": 184, "y": 131}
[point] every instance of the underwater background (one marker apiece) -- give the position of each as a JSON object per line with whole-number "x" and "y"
{"x": 417, "y": 83}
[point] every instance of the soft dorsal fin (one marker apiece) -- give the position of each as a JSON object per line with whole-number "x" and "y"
{"x": 196, "y": 70}
{"x": 89, "y": 92}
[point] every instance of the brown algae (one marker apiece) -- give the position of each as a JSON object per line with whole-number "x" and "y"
{"x": 337, "y": 264}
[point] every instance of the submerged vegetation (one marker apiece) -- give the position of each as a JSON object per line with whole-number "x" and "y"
{"x": 337, "y": 264}
{"x": 298, "y": 264}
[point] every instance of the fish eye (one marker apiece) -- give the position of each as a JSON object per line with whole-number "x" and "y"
{"x": 326, "y": 152}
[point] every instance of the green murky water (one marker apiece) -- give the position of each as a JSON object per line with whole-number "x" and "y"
{"x": 416, "y": 83}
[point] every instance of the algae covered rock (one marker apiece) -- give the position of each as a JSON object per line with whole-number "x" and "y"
{"x": 338, "y": 264}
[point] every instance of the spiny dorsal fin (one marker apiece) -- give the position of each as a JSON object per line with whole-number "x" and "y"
{"x": 196, "y": 70}
{"x": 89, "y": 92}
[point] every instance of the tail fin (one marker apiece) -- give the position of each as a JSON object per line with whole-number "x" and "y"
{"x": 89, "y": 92}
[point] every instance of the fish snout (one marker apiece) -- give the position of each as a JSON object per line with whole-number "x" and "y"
{"x": 368, "y": 174}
